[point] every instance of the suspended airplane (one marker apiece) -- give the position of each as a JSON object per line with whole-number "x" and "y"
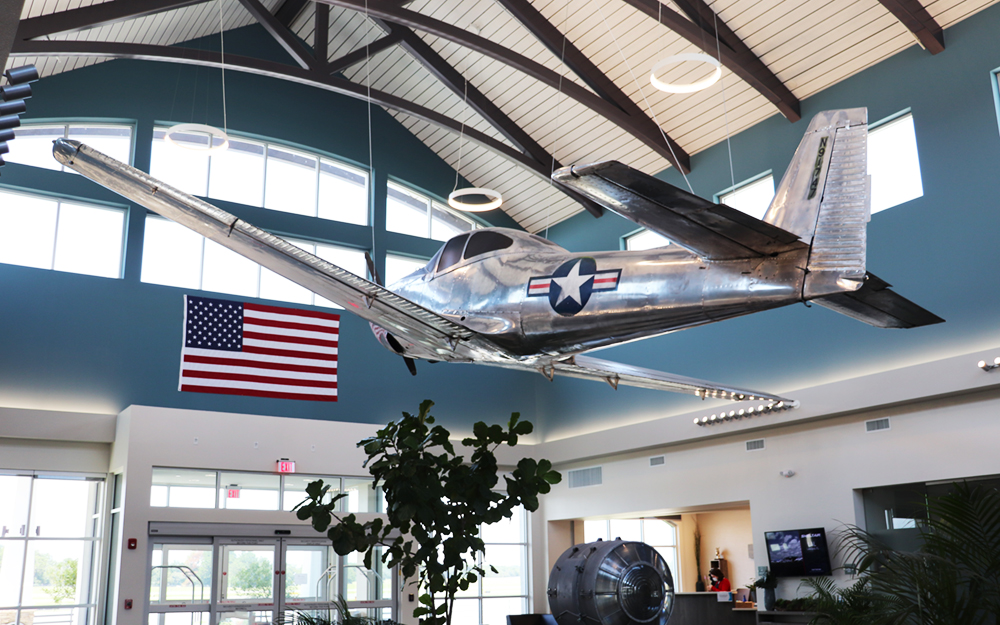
{"x": 507, "y": 298}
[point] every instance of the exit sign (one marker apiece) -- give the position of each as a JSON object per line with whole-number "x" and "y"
{"x": 285, "y": 466}
{"x": 233, "y": 493}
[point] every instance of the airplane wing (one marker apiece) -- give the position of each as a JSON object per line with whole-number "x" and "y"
{"x": 361, "y": 297}
{"x": 712, "y": 231}
{"x": 588, "y": 368}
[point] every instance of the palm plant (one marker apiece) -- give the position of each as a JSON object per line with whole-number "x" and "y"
{"x": 953, "y": 579}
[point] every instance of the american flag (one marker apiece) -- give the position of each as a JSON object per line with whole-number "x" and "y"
{"x": 235, "y": 348}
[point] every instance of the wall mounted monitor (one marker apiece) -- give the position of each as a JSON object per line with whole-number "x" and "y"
{"x": 798, "y": 553}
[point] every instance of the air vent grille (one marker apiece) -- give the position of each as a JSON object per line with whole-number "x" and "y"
{"x": 755, "y": 445}
{"x": 656, "y": 461}
{"x": 876, "y": 425}
{"x": 579, "y": 478}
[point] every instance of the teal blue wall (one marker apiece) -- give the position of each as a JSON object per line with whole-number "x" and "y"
{"x": 84, "y": 343}
{"x": 936, "y": 250}
{"x": 76, "y": 342}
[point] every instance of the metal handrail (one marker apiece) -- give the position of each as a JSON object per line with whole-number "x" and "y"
{"x": 185, "y": 570}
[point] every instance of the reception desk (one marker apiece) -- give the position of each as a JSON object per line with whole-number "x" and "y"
{"x": 704, "y": 608}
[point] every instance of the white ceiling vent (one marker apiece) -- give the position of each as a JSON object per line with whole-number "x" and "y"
{"x": 755, "y": 445}
{"x": 656, "y": 461}
{"x": 578, "y": 478}
{"x": 876, "y": 425}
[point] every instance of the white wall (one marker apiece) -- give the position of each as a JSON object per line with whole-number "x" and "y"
{"x": 149, "y": 437}
{"x": 933, "y": 440}
{"x": 731, "y": 532}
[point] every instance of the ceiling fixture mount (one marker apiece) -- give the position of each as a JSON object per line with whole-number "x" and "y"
{"x": 698, "y": 85}
{"x": 495, "y": 200}
{"x": 200, "y": 129}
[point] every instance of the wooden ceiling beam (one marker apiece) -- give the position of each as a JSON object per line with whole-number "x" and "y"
{"x": 281, "y": 71}
{"x": 570, "y": 55}
{"x": 362, "y": 53}
{"x": 281, "y": 33}
{"x": 699, "y": 28}
{"x": 913, "y": 15}
{"x": 650, "y": 135}
{"x": 321, "y": 33}
{"x": 477, "y": 101}
{"x": 288, "y": 11}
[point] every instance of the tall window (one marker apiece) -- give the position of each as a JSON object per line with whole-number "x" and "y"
{"x": 893, "y": 163}
{"x": 50, "y": 546}
{"x": 493, "y": 597}
{"x": 752, "y": 197}
{"x": 173, "y": 255}
{"x": 398, "y": 267}
{"x": 65, "y": 236}
{"x": 262, "y": 174}
{"x": 645, "y": 240}
{"x": 659, "y": 534}
{"x": 409, "y": 212}
{"x": 33, "y": 145}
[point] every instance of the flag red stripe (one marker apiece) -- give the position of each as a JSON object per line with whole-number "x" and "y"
{"x": 281, "y": 338}
{"x": 236, "y": 362}
{"x": 193, "y": 388}
{"x": 606, "y": 280}
{"x": 270, "y": 351}
{"x": 290, "y": 325}
{"x": 292, "y": 311}
{"x": 539, "y": 286}
{"x": 260, "y": 379}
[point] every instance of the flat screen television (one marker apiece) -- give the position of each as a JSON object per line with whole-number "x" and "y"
{"x": 798, "y": 553}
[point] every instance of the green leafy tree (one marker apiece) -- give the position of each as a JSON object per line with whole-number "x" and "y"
{"x": 63, "y": 581}
{"x": 436, "y": 503}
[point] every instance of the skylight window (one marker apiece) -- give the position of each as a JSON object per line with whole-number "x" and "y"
{"x": 409, "y": 212}
{"x": 34, "y": 142}
{"x": 65, "y": 236}
{"x": 262, "y": 174}
{"x": 173, "y": 255}
{"x": 893, "y": 163}
{"x": 752, "y": 197}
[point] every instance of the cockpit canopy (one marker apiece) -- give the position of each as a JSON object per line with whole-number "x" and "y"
{"x": 479, "y": 242}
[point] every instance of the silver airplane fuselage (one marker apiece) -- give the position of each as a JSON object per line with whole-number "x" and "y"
{"x": 537, "y": 299}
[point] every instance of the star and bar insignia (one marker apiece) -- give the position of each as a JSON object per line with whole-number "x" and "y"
{"x": 571, "y": 284}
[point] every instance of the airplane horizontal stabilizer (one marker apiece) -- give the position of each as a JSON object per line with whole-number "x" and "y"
{"x": 712, "y": 231}
{"x": 876, "y": 305}
{"x": 614, "y": 373}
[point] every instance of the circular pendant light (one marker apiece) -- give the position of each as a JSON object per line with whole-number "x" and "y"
{"x": 698, "y": 85}
{"x": 495, "y": 200}
{"x": 212, "y": 132}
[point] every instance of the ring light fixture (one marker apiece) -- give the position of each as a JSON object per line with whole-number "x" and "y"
{"x": 495, "y": 200}
{"x": 212, "y": 132}
{"x": 698, "y": 85}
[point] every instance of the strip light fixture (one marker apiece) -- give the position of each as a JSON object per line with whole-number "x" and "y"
{"x": 746, "y": 413}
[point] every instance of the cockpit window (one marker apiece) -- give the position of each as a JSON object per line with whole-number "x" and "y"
{"x": 452, "y": 252}
{"x": 487, "y": 241}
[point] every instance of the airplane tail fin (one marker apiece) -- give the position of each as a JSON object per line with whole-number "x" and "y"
{"x": 825, "y": 199}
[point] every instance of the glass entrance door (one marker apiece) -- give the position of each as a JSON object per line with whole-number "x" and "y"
{"x": 259, "y": 581}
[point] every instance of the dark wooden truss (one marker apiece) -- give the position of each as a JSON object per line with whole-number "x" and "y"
{"x": 700, "y": 26}
{"x": 914, "y": 16}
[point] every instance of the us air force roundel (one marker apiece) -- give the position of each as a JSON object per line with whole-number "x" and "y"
{"x": 570, "y": 286}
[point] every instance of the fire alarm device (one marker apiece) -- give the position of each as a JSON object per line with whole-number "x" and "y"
{"x": 133, "y": 543}
{"x": 128, "y": 604}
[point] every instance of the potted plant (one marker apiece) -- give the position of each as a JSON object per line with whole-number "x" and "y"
{"x": 699, "y": 586}
{"x": 436, "y": 502}
{"x": 768, "y": 582}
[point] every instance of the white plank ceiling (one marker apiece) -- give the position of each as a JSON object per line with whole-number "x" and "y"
{"x": 808, "y": 45}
